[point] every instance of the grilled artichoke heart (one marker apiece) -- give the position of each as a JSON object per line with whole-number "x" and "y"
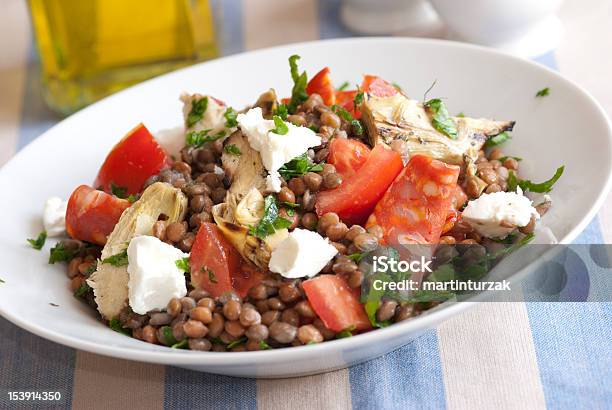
{"x": 109, "y": 282}
{"x": 400, "y": 118}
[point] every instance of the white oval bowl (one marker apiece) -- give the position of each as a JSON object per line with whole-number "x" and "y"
{"x": 567, "y": 127}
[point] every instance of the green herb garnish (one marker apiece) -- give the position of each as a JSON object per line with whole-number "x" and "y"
{"x": 264, "y": 346}
{"x": 358, "y": 99}
{"x": 118, "y": 191}
{"x": 497, "y": 139}
{"x": 2, "y": 280}
{"x": 82, "y": 290}
{"x": 397, "y": 86}
{"x": 356, "y": 257}
{"x": 237, "y": 342}
{"x": 346, "y": 116}
{"x": 290, "y": 205}
{"x": 39, "y": 242}
{"x": 280, "y": 127}
{"x": 198, "y": 108}
{"x": 183, "y": 264}
{"x": 543, "y": 92}
{"x": 282, "y": 111}
{"x": 115, "y": 324}
{"x": 460, "y": 115}
{"x": 230, "y": 117}
{"x": 348, "y": 332}
{"x": 298, "y": 92}
{"x": 168, "y": 336}
{"x": 183, "y": 344}
{"x": 299, "y": 166}
{"x": 199, "y": 138}
{"x": 120, "y": 259}
{"x": 270, "y": 222}
{"x": 211, "y": 276}
{"x": 59, "y": 253}
{"x": 440, "y": 119}
{"x": 132, "y": 198}
{"x": 502, "y": 159}
{"x": 232, "y": 149}
{"x": 527, "y": 185}
{"x": 343, "y": 86}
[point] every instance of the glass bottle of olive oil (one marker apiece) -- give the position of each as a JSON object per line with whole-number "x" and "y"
{"x": 92, "y": 48}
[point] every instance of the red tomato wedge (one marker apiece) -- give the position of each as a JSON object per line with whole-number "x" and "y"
{"x": 134, "y": 159}
{"x": 92, "y": 215}
{"x": 347, "y": 155}
{"x": 355, "y": 199}
{"x": 415, "y": 207}
{"x": 217, "y": 267}
{"x": 335, "y": 303}
{"x": 346, "y": 99}
{"x": 377, "y": 86}
{"x": 321, "y": 84}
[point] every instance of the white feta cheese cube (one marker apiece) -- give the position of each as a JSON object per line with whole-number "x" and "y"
{"x": 302, "y": 254}
{"x": 154, "y": 278}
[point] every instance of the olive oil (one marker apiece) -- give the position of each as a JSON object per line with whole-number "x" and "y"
{"x": 91, "y": 48}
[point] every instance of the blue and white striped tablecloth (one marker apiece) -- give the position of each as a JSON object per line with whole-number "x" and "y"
{"x": 512, "y": 355}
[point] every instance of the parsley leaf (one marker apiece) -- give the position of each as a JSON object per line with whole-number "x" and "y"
{"x": 264, "y": 346}
{"x": 118, "y": 191}
{"x": 198, "y": 108}
{"x": 290, "y": 205}
{"x": 169, "y": 338}
{"x": 183, "y": 264}
{"x": 497, "y": 139}
{"x": 211, "y": 276}
{"x": 343, "y": 86}
{"x": 282, "y": 111}
{"x": 348, "y": 332}
{"x": 2, "y": 280}
{"x": 82, "y": 290}
{"x": 502, "y": 159}
{"x": 527, "y": 185}
{"x": 132, "y": 198}
{"x": 39, "y": 242}
{"x": 230, "y": 117}
{"x": 232, "y": 149}
{"x": 120, "y": 259}
{"x": 299, "y": 166}
{"x": 199, "y": 138}
{"x": 237, "y": 342}
{"x": 356, "y": 257}
{"x": 543, "y": 92}
{"x": 346, "y": 116}
{"x": 280, "y": 127}
{"x": 270, "y": 222}
{"x": 298, "y": 92}
{"x": 59, "y": 253}
{"x": 115, "y": 324}
{"x": 440, "y": 118}
{"x": 358, "y": 99}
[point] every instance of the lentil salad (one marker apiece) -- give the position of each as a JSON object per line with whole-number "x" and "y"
{"x": 217, "y": 202}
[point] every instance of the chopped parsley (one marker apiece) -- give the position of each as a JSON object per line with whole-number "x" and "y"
{"x": 232, "y": 149}
{"x": 120, "y": 259}
{"x": 183, "y": 344}
{"x": 2, "y": 280}
{"x": 59, "y": 253}
{"x": 346, "y": 116}
{"x": 82, "y": 290}
{"x": 183, "y": 264}
{"x": 237, "y": 342}
{"x": 502, "y": 159}
{"x": 497, "y": 139}
{"x": 198, "y": 108}
{"x": 343, "y": 86}
{"x": 543, "y": 92}
{"x": 115, "y": 324}
{"x": 440, "y": 118}
{"x": 39, "y": 242}
{"x": 527, "y": 185}
{"x": 118, "y": 191}
{"x": 168, "y": 336}
{"x": 264, "y": 346}
{"x": 348, "y": 332}
{"x": 298, "y": 92}
{"x": 230, "y": 118}
{"x": 356, "y": 257}
{"x": 358, "y": 99}
{"x": 92, "y": 268}
{"x": 282, "y": 111}
{"x": 270, "y": 222}
{"x": 280, "y": 127}
{"x": 53, "y": 304}
{"x": 132, "y": 198}
{"x": 211, "y": 275}
{"x": 290, "y": 205}
{"x": 299, "y": 166}
{"x": 199, "y": 138}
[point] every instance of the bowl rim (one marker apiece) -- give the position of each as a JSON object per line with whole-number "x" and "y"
{"x": 422, "y": 322}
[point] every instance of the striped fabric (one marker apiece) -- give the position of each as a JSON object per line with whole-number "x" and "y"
{"x": 503, "y": 355}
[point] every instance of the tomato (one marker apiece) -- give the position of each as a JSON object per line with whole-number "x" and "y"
{"x": 346, "y": 100}
{"x": 134, "y": 159}
{"x": 415, "y": 207}
{"x": 355, "y": 199}
{"x": 217, "y": 267}
{"x": 321, "y": 84}
{"x": 347, "y": 155}
{"x": 92, "y": 215}
{"x": 377, "y": 86}
{"x": 335, "y": 303}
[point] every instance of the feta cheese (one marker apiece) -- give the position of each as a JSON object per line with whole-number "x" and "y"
{"x": 303, "y": 253}
{"x": 275, "y": 150}
{"x": 171, "y": 139}
{"x": 498, "y": 214}
{"x": 54, "y": 216}
{"x": 154, "y": 278}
